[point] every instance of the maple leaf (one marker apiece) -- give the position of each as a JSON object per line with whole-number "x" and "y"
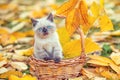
{"x": 73, "y": 48}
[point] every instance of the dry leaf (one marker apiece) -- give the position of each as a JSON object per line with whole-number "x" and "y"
{"x": 98, "y": 62}
{"x": 19, "y": 57}
{"x": 88, "y": 73}
{"x": 18, "y": 35}
{"x": 19, "y": 65}
{"x": 2, "y": 63}
{"x": 25, "y": 77}
{"x": 109, "y": 75}
{"x": 101, "y": 59}
{"x": 3, "y": 31}
{"x": 10, "y": 72}
{"x": 105, "y": 23}
{"x": 95, "y": 9}
{"x": 6, "y": 39}
{"x": 115, "y": 68}
{"x": 3, "y": 70}
{"x": 25, "y": 52}
{"x": 115, "y": 57}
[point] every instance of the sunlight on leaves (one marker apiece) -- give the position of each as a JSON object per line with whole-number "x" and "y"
{"x": 25, "y": 77}
{"x": 73, "y": 48}
{"x": 105, "y": 23}
{"x": 63, "y": 35}
{"x": 66, "y": 7}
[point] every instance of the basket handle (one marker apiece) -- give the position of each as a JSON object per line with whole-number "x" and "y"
{"x": 80, "y": 32}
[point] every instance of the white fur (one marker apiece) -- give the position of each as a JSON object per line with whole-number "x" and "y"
{"x": 46, "y": 43}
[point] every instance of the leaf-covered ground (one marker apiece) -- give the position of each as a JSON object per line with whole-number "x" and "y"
{"x": 16, "y": 38}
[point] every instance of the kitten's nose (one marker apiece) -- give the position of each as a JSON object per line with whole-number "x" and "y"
{"x": 44, "y": 30}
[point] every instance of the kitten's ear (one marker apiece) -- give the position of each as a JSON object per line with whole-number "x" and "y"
{"x": 34, "y": 22}
{"x": 50, "y": 17}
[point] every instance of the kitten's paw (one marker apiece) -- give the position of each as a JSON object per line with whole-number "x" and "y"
{"x": 57, "y": 60}
{"x": 47, "y": 58}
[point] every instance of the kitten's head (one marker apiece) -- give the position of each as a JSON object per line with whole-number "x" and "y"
{"x": 44, "y": 27}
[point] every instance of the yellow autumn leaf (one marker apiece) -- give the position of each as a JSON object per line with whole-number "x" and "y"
{"x": 72, "y": 21}
{"x": 64, "y": 9}
{"x": 63, "y": 35}
{"x": 115, "y": 57}
{"x": 98, "y": 62}
{"x": 105, "y": 23}
{"x": 73, "y": 48}
{"x": 84, "y": 21}
{"x": 18, "y": 35}
{"x": 102, "y": 3}
{"x": 4, "y": 31}
{"x": 95, "y": 9}
{"x": 6, "y": 39}
{"x": 101, "y": 59}
{"x": 25, "y": 77}
{"x": 109, "y": 75}
{"x": 115, "y": 68}
{"x": 11, "y": 72}
{"x": 13, "y": 77}
{"x": 25, "y": 52}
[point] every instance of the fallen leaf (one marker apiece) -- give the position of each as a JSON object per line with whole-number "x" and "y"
{"x": 115, "y": 57}
{"x": 115, "y": 68}
{"x": 25, "y": 52}
{"x": 4, "y": 31}
{"x": 25, "y": 77}
{"x": 6, "y": 39}
{"x": 3, "y": 70}
{"x": 100, "y": 63}
{"x": 2, "y": 63}
{"x": 19, "y": 65}
{"x": 101, "y": 59}
{"x": 11, "y": 72}
{"x": 88, "y": 73}
{"x": 109, "y": 75}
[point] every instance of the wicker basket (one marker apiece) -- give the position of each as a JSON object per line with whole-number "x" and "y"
{"x": 48, "y": 70}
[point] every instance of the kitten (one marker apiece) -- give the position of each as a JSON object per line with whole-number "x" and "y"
{"x": 47, "y": 45}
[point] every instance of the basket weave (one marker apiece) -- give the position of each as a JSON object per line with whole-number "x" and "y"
{"x": 48, "y": 70}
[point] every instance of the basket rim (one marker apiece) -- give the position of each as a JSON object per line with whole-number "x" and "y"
{"x": 63, "y": 62}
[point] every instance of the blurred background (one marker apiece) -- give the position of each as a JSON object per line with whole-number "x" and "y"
{"x": 15, "y": 24}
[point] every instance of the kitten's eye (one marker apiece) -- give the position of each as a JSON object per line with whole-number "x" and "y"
{"x": 40, "y": 29}
{"x": 49, "y": 27}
